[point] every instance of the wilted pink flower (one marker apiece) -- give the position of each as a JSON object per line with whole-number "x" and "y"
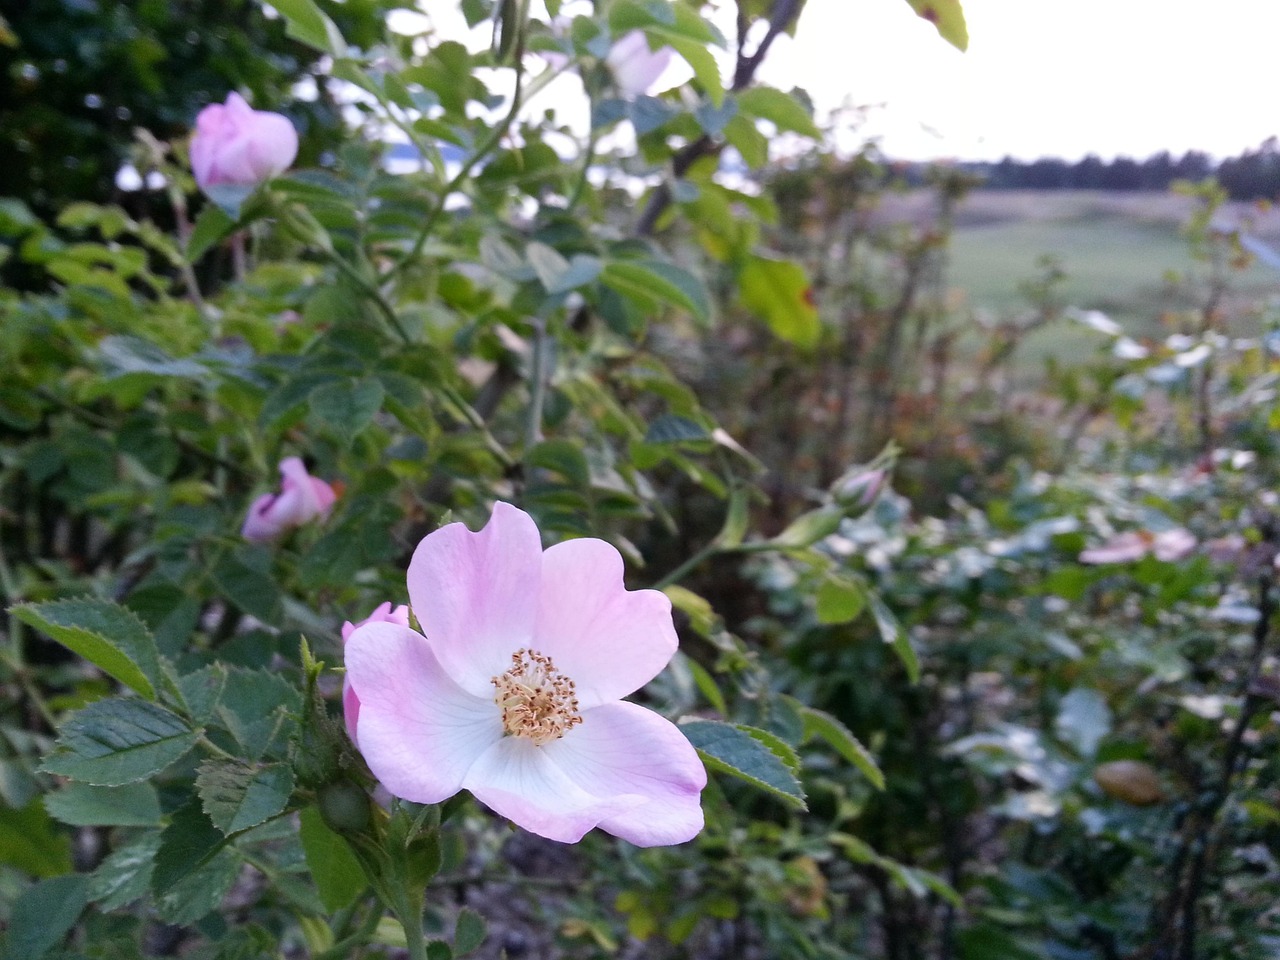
{"x": 302, "y": 498}
{"x": 634, "y": 65}
{"x": 235, "y": 144}
{"x": 1167, "y": 545}
{"x": 383, "y": 614}
{"x": 514, "y": 692}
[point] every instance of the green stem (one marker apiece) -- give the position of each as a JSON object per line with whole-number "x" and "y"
{"x": 409, "y": 911}
{"x": 342, "y": 949}
{"x": 538, "y": 388}
{"x": 373, "y": 293}
{"x": 469, "y": 413}
{"x": 678, "y": 574}
{"x": 216, "y": 750}
{"x": 518, "y": 98}
{"x": 588, "y": 158}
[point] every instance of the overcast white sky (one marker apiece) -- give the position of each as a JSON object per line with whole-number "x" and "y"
{"x": 1047, "y": 77}
{"x": 1041, "y": 77}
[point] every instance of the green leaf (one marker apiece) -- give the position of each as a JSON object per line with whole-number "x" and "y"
{"x": 201, "y": 691}
{"x": 499, "y": 257}
{"x": 678, "y": 18}
{"x": 705, "y": 68}
{"x": 670, "y": 428}
{"x": 551, "y": 267}
{"x": 114, "y": 742}
{"x": 651, "y": 283}
{"x": 939, "y": 886}
{"x": 735, "y": 749}
{"x": 125, "y": 876}
{"x": 469, "y": 933}
{"x": 121, "y": 354}
{"x": 780, "y": 293}
{"x": 1083, "y": 720}
{"x": 236, "y": 796}
{"x": 743, "y": 136}
{"x": 257, "y": 707}
{"x": 337, "y": 873}
{"x": 106, "y": 634}
{"x": 808, "y": 528}
{"x": 948, "y": 17}
{"x": 818, "y": 723}
{"x": 563, "y": 457}
{"x": 713, "y": 120}
{"x": 200, "y": 891}
{"x": 211, "y": 226}
{"x": 44, "y": 914}
{"x": 736, "y": 519}
{"x": 347, "y": 406}
{"x": 707, "y": 686}
{"x": 781, "y": 109}
{"x": 86, "y": 805}
{"x": 244, "y": 577}
{"x": 187, "y": 843}
{"x": 309, "y": 24}
{"x": 894, "y": 633}
{"x": 777, "y": 746}
{"x": 32, "y": 842}
{"x": 840, "y": 600}
{"x": 702, "y": 617}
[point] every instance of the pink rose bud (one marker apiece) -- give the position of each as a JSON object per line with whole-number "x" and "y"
{"x": 861, "y": 487}
{"x": 302, "y": 498}
{"x": 237, "y": 145}
{"x": 635, "y": 66}
{"x": 350, "y": 702}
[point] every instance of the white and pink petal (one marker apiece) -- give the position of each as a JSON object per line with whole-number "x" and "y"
{"x": 609, "y": 640}
{"x": 419, "y": 731}
{"x": 519, "y": 780}
{"x": 625, "y": 750}
{"x": 476, "y": 594}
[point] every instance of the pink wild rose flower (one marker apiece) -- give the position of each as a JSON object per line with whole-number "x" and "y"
{"x": 635, "y": 66}
{"x": 383, "y": 614}
{"x": 237, "y": 145}
{"x": 302, "y": 498}
{"x": 515, "y": 691}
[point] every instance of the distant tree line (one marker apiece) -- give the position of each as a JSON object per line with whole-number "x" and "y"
{"x": 1253, "y": 175}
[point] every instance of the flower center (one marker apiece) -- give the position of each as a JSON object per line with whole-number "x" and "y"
{"x": 537, "y": 700}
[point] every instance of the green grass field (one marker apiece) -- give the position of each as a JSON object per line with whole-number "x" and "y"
{"x": 1119, "y": 252}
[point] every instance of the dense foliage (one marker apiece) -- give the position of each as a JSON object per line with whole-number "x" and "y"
{"x": 976, "y": 672}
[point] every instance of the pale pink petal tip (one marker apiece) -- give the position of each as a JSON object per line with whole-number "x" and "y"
{"x": 635, "y": 66}
{"x": 383, "y": 613}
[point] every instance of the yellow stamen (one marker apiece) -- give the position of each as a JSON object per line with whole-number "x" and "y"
{"x": 537, "y": 700}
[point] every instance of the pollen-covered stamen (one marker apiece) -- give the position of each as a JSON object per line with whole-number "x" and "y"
{"x": 536, "y": 699}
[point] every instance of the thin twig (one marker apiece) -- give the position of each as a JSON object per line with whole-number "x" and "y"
{"x": 781, "y": 17}
{"x": 495, "y": 136}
